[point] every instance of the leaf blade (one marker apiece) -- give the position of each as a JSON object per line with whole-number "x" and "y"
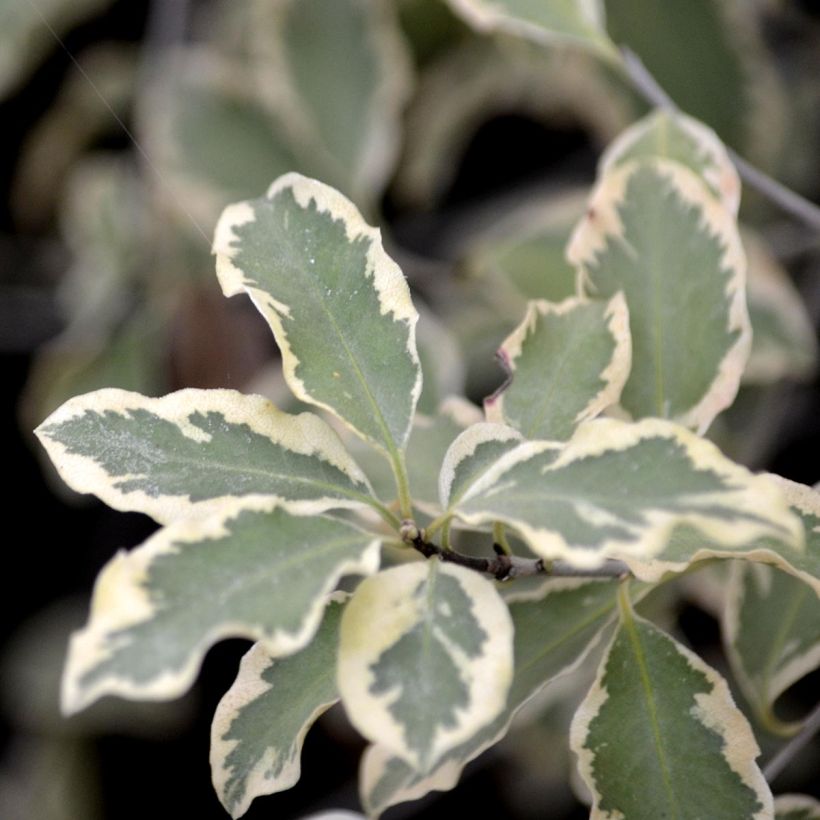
{"x": 338, "y": 306}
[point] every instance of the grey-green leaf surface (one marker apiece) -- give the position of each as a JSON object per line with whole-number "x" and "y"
{"x": 216, "y": 140}
{"x": 655, "y": 232}
{"x": 28, "y": 30}
{"x": 686, "y": 545}
{"x": 658, "y": 735}
{"x": 676, "y": 136}
{"x": 784, "y": 344}
{"x": 192, "y": 450}
{"x": 576, "y": 611}
{"x": 578, "y": 21}
{"x": 263, "y": 574}
{"x": 262, "y": 720}
{"x": 771, "y": 630}
{"x": 339, "y": 70}
{"x": 617, "y": 489}
{"x": 796, "y": 807}
{"x": 567, "y": 363}
{"x": 338, "y": 306}
{"x": 438, "y": 668}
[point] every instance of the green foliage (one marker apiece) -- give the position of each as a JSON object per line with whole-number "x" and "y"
{"x": 397, "y": 549}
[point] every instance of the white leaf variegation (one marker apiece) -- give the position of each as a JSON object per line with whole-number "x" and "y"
{"x": 438, "y": 667}
{"x": 615, "y": 489}
{"x": 658, "y": 735}
{"x": 191, "y": 451}
{"x": 577, "y": 612}
{"x": 687, "y": 545}
{"x": 674, "y": 135}
{"x": 567, "y": 363}
{"x": 578, "y": 21}
{"x": 261, "y": 722}
{"x": 262, "y": 574}
{"x": 338, "y": 305}
{"x": 771, "y": 630}
{"x": 654, "y": 231}
{"x": 796, "y": 807}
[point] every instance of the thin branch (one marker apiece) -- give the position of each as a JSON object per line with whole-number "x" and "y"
{"x": 784, "y": 197}
{"x": 779, "y": 762}
{"x": 504, "y": 567}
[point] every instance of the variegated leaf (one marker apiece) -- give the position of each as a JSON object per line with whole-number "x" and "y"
{"x": 655, "y": 232}
{"x": 213, "y": 138}
{"x": 470, "y": 456}
{"x": 674, "y": 135}
{"x": 339, "y": 71}
{"x": 261, "y": 722}
{"x": 784, "y": 344}
{"x": 262, "y": 574}
{"x": 339, "y": 307}
{"x": 192, "y": 450}
{"x": 544, "y": 21}
{"x": 687, "y": 546}
{"x": 567, "y": 363}
{"x": 658, "y": 735}
{"x": 771, "y": 629}
{"x": 437, "y": 669}
{"x": 617, "y": 489}
{"x": 796, "y": 807}
{"x": 576, "y": 612}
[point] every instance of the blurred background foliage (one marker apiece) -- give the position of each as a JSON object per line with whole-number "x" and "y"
{"x": 129, "y": 125}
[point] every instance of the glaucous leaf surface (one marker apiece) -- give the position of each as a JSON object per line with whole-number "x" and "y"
{"x": 800, "y": 558}
{"x": 567, "y": 362}
{"x": 262, "y": 720}
{"x": 338, "y": 306}
{"x": 437, "y": 669}
{"x": 615, "y": 489}
{"x": 653, "y": 231}
{"x": 784, "y": 344}
{"x": 555, "y": 626}
{"x": 796, "y": 807}
{"x": 262, "y": 574}
{"x": 658, "y": 735}
{"x": 771, "y": 629}
{"x": 579, "y": 21}
{"x": 339, "y": 71}
{"x": 189, "y": 452}
{"x": 676, "y": 136}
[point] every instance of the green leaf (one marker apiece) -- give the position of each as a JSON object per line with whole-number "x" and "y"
{"x": 796, "y": 807}
{"x": 783, "y": 341}
{"x": 214, "y": 138}
{"x": 339, "y": 307}
{"x": 545, "y": 21}
{"x": 673, "y": 135}
{"x": 617, "y": 489}
{"x": 261, "y": 722}
{"x": 436, "y": 670}
{"x": 686, "y": 545}
{"x": 771, "y": 629}
{"x": 471, "y": 456}
{"x": 567, "y": 363}
{"x": 655, "y": 232}
{"x": 658, "y": 735}
{"x": 576, "y": 611}
{"x": 192, "y": 450}
{"x": 709, "y": 56}
{"x": 259, "y": 574}
{"x": 341, "y": 77}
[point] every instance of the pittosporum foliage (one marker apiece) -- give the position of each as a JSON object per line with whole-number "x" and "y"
{"x": 497, "y": 552}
